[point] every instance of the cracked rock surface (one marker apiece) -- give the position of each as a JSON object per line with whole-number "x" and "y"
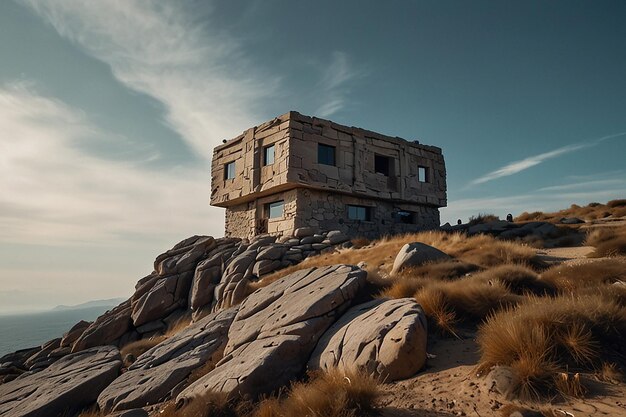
{"x": 277, "y": 328}
{"x": 166, "y": 366}
{"x": 69, "y": 384}
{"x": 384, "y": 338}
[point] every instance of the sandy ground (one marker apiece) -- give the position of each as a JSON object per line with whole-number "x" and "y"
{"x": 449, "y": 385}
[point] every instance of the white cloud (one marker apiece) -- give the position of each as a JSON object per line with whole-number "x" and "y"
{"x": 202, "y": 78}
{"x": 52, "y": 192}
{"x": 333, "y": 85}
{"x": 531, "y": 161}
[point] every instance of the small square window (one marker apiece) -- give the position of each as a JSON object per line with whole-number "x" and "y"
{"x": 406, "y": 217}
{"x": 382, "y": 164}
{"x": 275, "y": 210}
{"x": 268, "y": 155}
{"x": 229, "y": 171}
{"x": 422, "y": 174}
{"x": 325, "y": 154}
{"x": 359, "y": 213}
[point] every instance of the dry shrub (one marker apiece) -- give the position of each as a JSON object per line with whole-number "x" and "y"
{"x": 326, "y": 394}
{"x": 402, "y": 288}
{"x": 360, "y": 242}
{"x": 518, "y": 279}
{"x": 573, "y": 277}
{"x": 542, "y": 338}
{"x": 610, "y": 372}
{"x": 466, "y": 300}
{"x": 210, "y": 404}
{"x": 139, "y": 347}
{"x": 608, "y": 241}
{"x": 483, "y": 218}
{"x": 442, "y": 270}
{"x": 616, "y": 203}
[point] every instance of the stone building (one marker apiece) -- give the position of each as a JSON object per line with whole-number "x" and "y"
{"x": 298, "y": 171}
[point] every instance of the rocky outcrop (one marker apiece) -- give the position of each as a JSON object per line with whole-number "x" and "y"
{"x": 165, "y": 367}
{"x": 69, "y": 384}
{"x": 384, "y": 338}
{"x": 106, "y": 329}
{"x": 167, "y": 288}
{"x": 416, "y": 254}
{"x": 276, "y": 330}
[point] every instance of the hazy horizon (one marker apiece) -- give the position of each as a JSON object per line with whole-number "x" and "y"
{"x": 109, "y": 112}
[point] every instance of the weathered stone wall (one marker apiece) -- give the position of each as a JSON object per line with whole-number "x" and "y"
{"x": 354, "y": 170}
{"x": 329, "y": 211}
{"x": 243, "y": 220}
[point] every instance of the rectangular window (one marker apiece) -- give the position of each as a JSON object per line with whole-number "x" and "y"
{"x": 407, "y": 217}
{"x": 325, "y": 154}
{"x": 422, "y": 174}
{"x": 275, "y": 210}
{"x": 382, "y": 164}
{"x": 359, "y": 213}
{"x": 268, "y": 155}
{"x": 229, "y": 171}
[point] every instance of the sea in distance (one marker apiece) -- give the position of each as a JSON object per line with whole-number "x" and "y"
{"x": 29, "y": 330}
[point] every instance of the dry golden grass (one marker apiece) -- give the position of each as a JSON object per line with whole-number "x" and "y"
{"x": 608, "y": 241}
{"x": 518, "y": 279}
{"x": 211, "y": 404}
{"x": 481, "y": 250}
{"x": 139, "y": 347}
{"x": 326, "y": 394}
{"x": 542, "y": 339}
{"x": 570, "y": 278}
{"x": 466, "y": 300}
{"x": 483, "y": 218}
{"x": 592, "y": 211}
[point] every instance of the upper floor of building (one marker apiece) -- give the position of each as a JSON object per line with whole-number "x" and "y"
{"x": 294, "y": 151}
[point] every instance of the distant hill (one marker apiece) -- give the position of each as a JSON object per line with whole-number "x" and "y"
{"x": 111, "y": 302}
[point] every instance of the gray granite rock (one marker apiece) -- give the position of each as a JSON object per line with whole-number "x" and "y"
{"x": 153, "y": 376}
{"x": 106, "y": 329}
{"x": 277, "y": 328}
{"x": 384, "y": 338}
{"x": 416, "y": 254}
{"x": 69, "y": 384}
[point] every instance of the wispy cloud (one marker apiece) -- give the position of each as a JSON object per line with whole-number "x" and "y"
{"x": 334, "y": 84}
{"x": 53, "y": 192}
{"x": 160, "y": 49}
{"x": 531, "y": 161}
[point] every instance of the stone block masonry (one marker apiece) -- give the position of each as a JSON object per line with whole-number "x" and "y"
{"x": 298, "y": 171}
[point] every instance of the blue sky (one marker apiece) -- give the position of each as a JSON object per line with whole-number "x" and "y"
{"x": 109, "y": 112}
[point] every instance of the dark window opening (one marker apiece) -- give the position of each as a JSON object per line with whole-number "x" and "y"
{"x": 268, "y": 155}
{"x": 229, "y": 171}
{"x": 422, "y": 174}
{"x": 275, "y": 210}
{"x": 359, "y": 213}
{"x": 406, "y": 217}
{"x": 325, "y": 154}
{"x": 382, "y": 164}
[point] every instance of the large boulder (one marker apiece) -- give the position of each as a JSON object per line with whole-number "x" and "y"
{"x": 157, "y": 372}
{"x": 232, "y": 287}
{"x": 74, "y": 333}
{"x": 416, "y": 254}
{"x": 168, "y": 294}
{"x": 384, "y": 338}
{"x": 277, "y": 328}
{"x": 106, "y": 329}
{"x": 68, "y": 385}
